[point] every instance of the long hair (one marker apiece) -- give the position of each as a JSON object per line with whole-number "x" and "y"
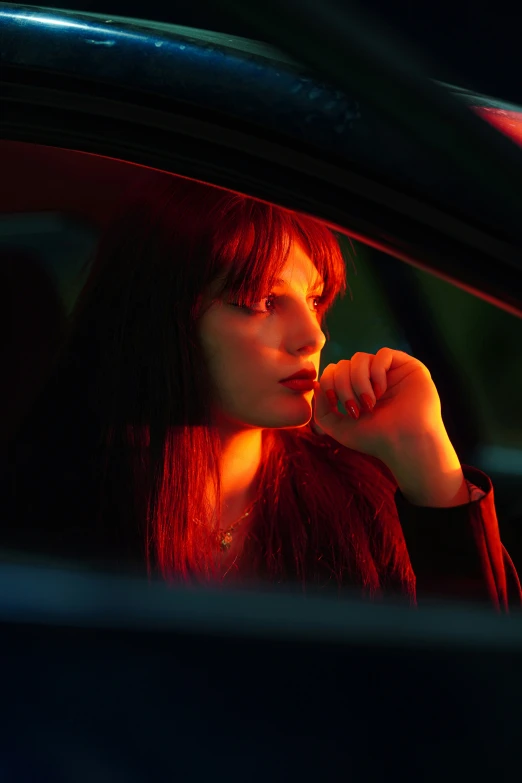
{"x": 323, "y": 512}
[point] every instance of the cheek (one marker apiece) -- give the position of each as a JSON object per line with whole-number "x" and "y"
{"x": 241, "y": 362}
{"x": 235, "y": 353}
{"x": 232, "y": 360}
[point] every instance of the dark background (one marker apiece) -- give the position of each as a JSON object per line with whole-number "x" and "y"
{"x": 474, "y": 44}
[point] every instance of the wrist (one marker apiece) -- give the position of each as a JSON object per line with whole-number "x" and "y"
{"x": 428, "y": 471}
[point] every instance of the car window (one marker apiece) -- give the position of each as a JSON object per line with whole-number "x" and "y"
{"x": 363, "y": 320}
{"x": 471, "y": 347}
{"x": 484, "y": 343}
{"x": 62, "y": 243}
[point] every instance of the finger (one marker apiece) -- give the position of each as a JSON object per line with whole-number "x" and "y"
{"x": 382, "y": 362}
{"x": 325, "y": 397}
{"x": 322, "y": 406}
{"x": 361, "y": 383}
{"x": 325, "y": 415}
{"x": 393, "y": 360}
{"x": 343, "y": 385}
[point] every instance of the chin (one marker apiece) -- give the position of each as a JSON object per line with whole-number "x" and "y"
{"x": 274, "y": 417}
{"x": 288, "y": 421}
{"x": 298, "y": 416}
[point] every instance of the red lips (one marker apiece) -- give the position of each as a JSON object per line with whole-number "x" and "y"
{"x": 308, "y": 375}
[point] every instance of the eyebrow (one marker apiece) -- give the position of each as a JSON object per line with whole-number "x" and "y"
{"x": 317, "y": 285}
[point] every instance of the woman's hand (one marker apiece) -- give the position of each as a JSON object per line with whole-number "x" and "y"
{"x": 389, "y": 398}
{"x": 393, "y": 412}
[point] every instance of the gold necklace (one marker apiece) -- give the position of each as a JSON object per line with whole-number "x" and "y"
{"x": 225, "y": 536}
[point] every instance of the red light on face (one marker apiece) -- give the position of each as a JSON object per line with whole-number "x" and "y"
{"x": 508, "y": 122}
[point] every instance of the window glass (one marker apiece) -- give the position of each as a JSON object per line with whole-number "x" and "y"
{"x": 485, "y": 343}
{"x": 363, "y": 320}
{"x": 63, "y": 244}
{"x": 59, "y": 202}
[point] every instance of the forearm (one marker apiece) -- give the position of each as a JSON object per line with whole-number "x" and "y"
{"x": 428, "y": 471}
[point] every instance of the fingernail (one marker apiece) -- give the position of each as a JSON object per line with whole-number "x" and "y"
{"x": 352, "y": 408}
{"x": 367, "y": 402}
{"x": 332, "y": 398}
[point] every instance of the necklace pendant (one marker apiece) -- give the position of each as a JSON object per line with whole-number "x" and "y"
{"x": 226, "y": 540}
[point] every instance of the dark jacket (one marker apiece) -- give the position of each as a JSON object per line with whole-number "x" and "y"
{"x": 457, "y": 552}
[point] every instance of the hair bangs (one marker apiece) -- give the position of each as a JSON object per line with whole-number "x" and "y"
{"x": 324, "y": 251}
{"x": 252, "y": 244}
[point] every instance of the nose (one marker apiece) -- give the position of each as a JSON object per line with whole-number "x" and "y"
{"x": 304, "y": 334}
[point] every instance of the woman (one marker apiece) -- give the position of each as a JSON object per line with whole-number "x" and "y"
{"x": 206, "y": 462}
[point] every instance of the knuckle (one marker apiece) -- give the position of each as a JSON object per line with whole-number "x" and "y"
{"x": 328, "y": 370}
{"x": 383, "y": 354}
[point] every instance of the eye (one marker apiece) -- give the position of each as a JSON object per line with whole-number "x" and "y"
{"x": 269, "y": 303}
{"x": 264, "y": 306}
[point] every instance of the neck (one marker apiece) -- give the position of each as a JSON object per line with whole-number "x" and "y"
{"x": 240, "y": 458}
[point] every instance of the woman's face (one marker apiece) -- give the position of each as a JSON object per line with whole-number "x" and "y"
{"x": 250, "y": 351}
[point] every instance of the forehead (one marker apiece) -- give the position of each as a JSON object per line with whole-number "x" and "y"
{"x": 299, "y": 270}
